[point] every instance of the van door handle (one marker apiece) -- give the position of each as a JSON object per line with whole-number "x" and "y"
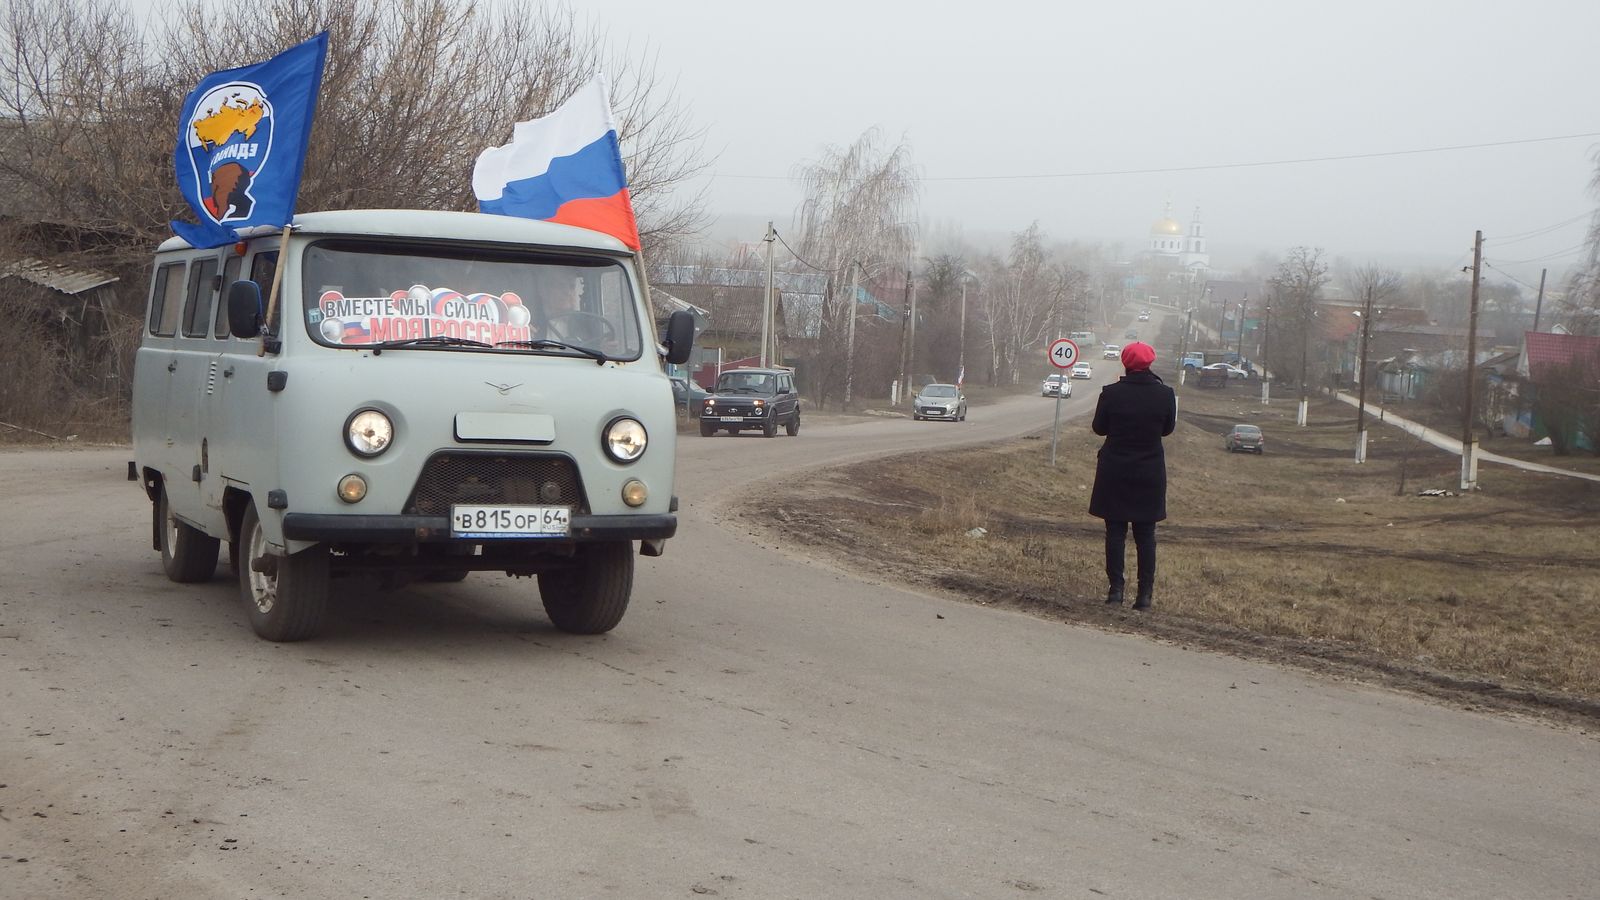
{"x": 172, "y": 366}
{"x": 228, "y": 372}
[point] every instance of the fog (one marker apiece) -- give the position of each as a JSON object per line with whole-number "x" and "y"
{"x": 996, "y": 97}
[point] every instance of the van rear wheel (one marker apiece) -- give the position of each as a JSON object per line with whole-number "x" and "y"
{"x": 188, "y": 555}
{"x": 591, "y": 596}
{"x": 285, "y": 596}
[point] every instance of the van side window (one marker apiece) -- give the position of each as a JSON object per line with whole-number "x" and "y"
{"x": 230, "y": 274}
{"x": 202, "y": 294}
{"x": 261, "y": 269}
{"x": 166, "y": 300}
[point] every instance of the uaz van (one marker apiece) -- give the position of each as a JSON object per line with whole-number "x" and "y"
{"x": 432, "y": 394}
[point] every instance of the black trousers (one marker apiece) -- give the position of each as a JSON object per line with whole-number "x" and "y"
{"x": 1144, "y": 540}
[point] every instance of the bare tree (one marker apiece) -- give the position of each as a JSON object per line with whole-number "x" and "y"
{"x": 1580, "y": 308}
{"x": 90, "y": 98}
{"x": 1297, "y": 286}
{"x": 858, "y": 211}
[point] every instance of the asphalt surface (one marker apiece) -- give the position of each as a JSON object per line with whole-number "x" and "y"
{"x": 760, "y": 725}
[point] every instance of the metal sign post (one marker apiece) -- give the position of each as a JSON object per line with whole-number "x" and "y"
{"x": 1063, "y": 354}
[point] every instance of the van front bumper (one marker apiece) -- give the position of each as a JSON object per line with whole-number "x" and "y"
{"x": 402, "y": 529}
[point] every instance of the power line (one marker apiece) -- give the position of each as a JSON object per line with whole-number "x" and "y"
{"x": 1510, "y": 276}
{"x": 1216, "y": 166}
{"x": 802, "y": 259}
{"x": 1556, "y": 255}
{"x": 1526, "y": 235}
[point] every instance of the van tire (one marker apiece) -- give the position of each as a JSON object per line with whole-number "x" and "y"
{"x": 793, "y": 428}
{"x": 769, "y": 428}
{"x": 707, "y": 429}
{"x": 288, "y": 603}
{"x": 590, "y": 597}
{"x": 188, "y": 555}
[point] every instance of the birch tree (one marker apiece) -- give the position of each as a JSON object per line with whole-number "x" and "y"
{"x": 858, "y": 210}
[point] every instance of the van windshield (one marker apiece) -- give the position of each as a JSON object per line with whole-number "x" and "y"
{"x": 359, "y": 294}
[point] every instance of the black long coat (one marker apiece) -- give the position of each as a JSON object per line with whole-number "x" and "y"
{"x": 1130, "y": 479}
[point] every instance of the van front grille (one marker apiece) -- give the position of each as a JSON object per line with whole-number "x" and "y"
{"x": 493, "y": 479}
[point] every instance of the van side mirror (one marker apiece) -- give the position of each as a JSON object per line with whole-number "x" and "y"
{"x": 680, "y": 337}
{"x": 244, "y": 309}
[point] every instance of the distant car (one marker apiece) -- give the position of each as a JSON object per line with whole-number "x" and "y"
{"x": 1112, "y": 351}
{"x": 1233, "y": 371}
{"x": 1082, "y": 370}
{"x": 752, "y": 398}
{"x": 1131, "y": 334}
{"x": 940, "y": 401}
{"x": 1144, "y": 317}
{"x": 1244, "y": 437}
{"x": 1056, "y": 384}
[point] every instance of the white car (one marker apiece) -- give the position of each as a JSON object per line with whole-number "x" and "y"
{"x": 1144, "y": 317}
{"x": 1056, "y": 384}
{"x": 1112, "y": 351}
{"x": 1082, "y": 370}
{"x": 1233, "y": 371}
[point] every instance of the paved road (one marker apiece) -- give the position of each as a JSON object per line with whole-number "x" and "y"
{"x": 758, "y": 726}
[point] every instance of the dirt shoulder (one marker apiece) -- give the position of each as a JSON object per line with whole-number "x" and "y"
{"x": 1297, "y": 557}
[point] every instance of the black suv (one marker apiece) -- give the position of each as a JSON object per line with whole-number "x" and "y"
{"x": 752, "y": 398}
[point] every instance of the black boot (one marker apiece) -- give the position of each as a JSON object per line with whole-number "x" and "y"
{"x": 1142, "y": 601}
{"x": 1114, "y": 597}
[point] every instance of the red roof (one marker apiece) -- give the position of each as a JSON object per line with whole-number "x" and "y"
{"x": 1546, "y": 349}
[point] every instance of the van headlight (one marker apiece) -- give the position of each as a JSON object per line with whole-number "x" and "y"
{"x": 368, "y": 432}
{"x": 624, "y": 439}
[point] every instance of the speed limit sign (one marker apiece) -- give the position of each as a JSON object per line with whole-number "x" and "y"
{"x": 1063, "y": 353}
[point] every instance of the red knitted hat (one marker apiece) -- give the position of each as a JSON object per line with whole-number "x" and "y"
{"x": 1137, "y": 356}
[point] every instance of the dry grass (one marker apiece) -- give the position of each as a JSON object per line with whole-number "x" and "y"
{"x": 1298, "y": 544}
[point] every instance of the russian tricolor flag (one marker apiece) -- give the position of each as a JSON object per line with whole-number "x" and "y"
{"x": 565, "y": 167}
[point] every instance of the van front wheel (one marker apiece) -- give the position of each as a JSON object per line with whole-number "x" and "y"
{"x": 285, "y": 596}
{"x": 591, "y": 596}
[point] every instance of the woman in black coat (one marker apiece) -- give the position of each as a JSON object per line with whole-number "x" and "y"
{"x": 1130, "y": 479}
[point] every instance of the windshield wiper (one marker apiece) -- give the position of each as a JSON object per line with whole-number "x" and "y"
{"x": 435, "y": 341}
{"x": 547, "y": 344}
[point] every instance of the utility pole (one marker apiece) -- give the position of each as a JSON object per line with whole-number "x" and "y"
{"x": 1469, "y": 447}
{"x": 766, "y": 306}
{"x": 961, "y": 353}
{"x": 1266, "y": 373}
{"x": 850, "y": 336}
{"x": 1303, "y": 415}
{"x": 904, "y": 379}
{"x": 1361, "y": 377}
{"x": 1539, "y": 307}
{"x": 911, "y": 373}
{"x": 1243, "y": 305}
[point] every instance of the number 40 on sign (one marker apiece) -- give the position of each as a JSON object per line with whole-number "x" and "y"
{"x": 1063, "y": 353}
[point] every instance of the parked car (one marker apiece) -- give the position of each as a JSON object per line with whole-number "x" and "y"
{"x": 687, "y": 393}
{"x": 1056, "y": 384}
{"x": 1112, "y": 351}
{"x": 1232, "y": 371}
{"x": 1144, "y": 317}
{"x": 1082, "y": 370}
{"x": 752, "y": 398}
{"x": 1244, "y": 437}
{"x": 940, "y": 401}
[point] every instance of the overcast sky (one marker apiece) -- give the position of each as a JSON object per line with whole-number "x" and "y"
{"x": 1008, "y": 88}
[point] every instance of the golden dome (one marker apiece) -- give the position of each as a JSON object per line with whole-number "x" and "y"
{"x": 1166, "y": 225}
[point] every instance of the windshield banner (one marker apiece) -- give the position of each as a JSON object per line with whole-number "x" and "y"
{"x": 419, "y": 313}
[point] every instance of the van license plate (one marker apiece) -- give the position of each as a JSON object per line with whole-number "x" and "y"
{"x": 733, "y": 418}
{"x": 510, "y": 521}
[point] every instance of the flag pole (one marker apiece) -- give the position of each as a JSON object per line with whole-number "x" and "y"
{"x": 272, "y": 293}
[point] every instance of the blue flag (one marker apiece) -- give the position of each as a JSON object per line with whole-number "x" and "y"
{"x": 242, "y": 143}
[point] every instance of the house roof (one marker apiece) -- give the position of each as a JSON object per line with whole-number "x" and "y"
{"x": 1547, "y": 349}
{"x": 58, "y": 277}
